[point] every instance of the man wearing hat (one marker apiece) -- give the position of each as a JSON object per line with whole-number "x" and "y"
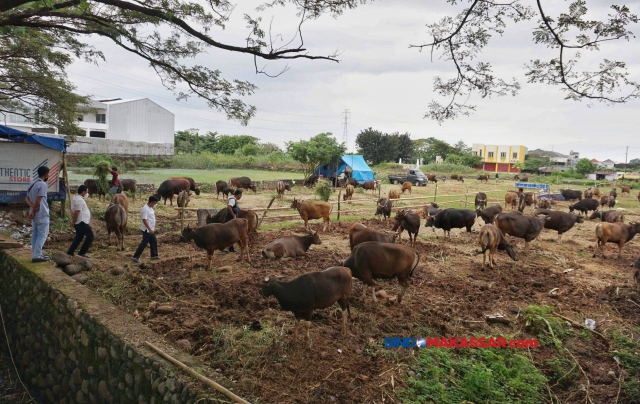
{"x": 148, "y": 228}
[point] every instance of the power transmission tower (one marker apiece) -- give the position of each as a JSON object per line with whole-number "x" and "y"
{"x": 345, "y": 133}
{"x": 626, "y": 154}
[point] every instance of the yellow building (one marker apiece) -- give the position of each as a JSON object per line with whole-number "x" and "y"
{"x": 499, "y": 158}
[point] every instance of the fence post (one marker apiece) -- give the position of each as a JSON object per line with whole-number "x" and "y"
{"x": 465, "y": 198}
{"x": 265, "y": 213}
{"x": 339, "y": 194}
{"x": 435, "y": 196}
{"x": 182, "y": 218}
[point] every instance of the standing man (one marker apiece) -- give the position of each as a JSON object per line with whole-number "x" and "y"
{"x": 496, "y": 176}
{"x": 39, "y": 213}
{"x": 148, "y": 228}
{"x": 521, "y": 198}
{"x": 233, "y": 209}
{"x": 114, "y": 181}
{"x": 80, "y": 222}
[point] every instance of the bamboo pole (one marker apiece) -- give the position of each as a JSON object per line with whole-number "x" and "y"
{"x": 197, "y": 375}
{"x": 66, "y": 181}
{"x": 182, "y": 215}
{"x": 435, "y": 195}
{"x": 265, "y": 213}
{"x": 339, "y": 193}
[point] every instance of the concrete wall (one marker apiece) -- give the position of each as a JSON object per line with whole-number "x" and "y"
{"x": 120, "y": 148}
{"x": 71, "y": 346}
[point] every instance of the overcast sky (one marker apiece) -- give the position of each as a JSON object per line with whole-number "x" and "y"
{"x": 386, "y": 85}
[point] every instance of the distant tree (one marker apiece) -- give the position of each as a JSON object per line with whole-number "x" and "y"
{"x": 519, "y": 166}
{"x": 183, "y": 140}
{"x": 250, "y": 149}
{"x": 320, "y": 149}
{"x": 431, "y": 147}
{"x": 370, "y": 143}
{"x": 461, "y": 147}
{"x": 635, "y": 161}
{"x": 229, "y": 144}
{"x": 585, "y": 166}
{"x": 470, "y": 160}
{"x": 533, "y": 163}
{"x": 405, "y": 147}
{"x": 266, "y": 148}
{"x": 209, "y": 142}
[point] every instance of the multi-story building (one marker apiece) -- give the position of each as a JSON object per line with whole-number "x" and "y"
{"x": 499, "y": 158}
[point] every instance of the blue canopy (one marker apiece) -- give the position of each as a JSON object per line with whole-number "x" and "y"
{"x": 19, "y": 136}
{"x": 360, "y": 170}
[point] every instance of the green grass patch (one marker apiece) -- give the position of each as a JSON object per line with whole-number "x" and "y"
{"x": 491, "y": 375}
{"x": 548, "y": 328}
{"x": 627, "y": 352}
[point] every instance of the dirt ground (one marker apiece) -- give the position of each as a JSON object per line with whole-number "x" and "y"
{"x": 248, "y": 339}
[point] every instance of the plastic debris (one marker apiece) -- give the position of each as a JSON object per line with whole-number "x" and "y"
{"x": 568, "y": 270}
{"x": 590, "y": 324}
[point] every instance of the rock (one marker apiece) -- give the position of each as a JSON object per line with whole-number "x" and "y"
{"x": 80, "y": 278}
{"x": 165, "y": 309}
{"x": 277, "y": 365}
{"x": 86, "y": 263}
{"x": 382, "y": 294}
{"x": 247, "y": 384}
{"x": 62, "y": 259}
{"x": 514, "y": 288}
{"x": 332, "y": 398}
{"x": 358, "y": 351}
{"x": 418, "y": 376}
{"x": 324, "y": 354}
{"x": 191, "y": 323}
{"x": 226, "y": 268}
{"x": 161, "y": 389}
{"x": 117, "y": 271}
{"x": 72, "y": 269}
{"x": 537, "y": 284}
{"x": 411, "y": 373}
{"x": 514, "y": 310}
{"x": 102, "y": 353}
{"x": 184, "y": 344}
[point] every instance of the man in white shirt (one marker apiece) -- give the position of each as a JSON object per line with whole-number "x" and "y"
{"x": 80, "y": 221}
{"x": 148, "y": 228}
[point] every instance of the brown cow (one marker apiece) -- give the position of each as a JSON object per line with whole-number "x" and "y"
{"x": 543, "y": 203}
{"x": 120, "y": 199}
{"x": 510, "y": 198}
{"x": 613, "y": 193}
{"x": 624, "y": 189}
{"x": 348, "y": 193}
{"x": 492, "y": 239}
{"x": 483, "y": 177}
{"x": 351, "y": 181}
{"x": 359, "y": 233}
{"x": 116, "y": 218}
{"x": 393, "y": 194}
{"x": 224, "y": 188}
{"x": 430, "y": 210}
{"x": 250, "y": 216}
{"x": 481, "y": 200}
{"x": 383, "y": 208}
{"x": 618, "y": 233}
{"x": 217, "y": 235}
{"x": 526, "y": 227}
{"x": 588, "y": 194}
{"x": 313, "y": 210}
{"x": 92, "y": 185}
{"x": 406, "y": 187}
{"x": 516, "y": 177}
{"x": 432, "y": 178}
{"x": 410, "y": 221}
{"x": 374, "y": 260}
{"x": 243, "y": 182}
{"x": 169, "y": 188}
{"x": 488, "y": 214}
{"x": 273, "y": 169}
{"x": 596, "y": 191}
{"x": 524, "y": 179}
{"x": 291, "y": 246}
{"x": 454, "y": 177}
{"x": 281, "y": 186}
{"x": 183, "y": 199}
{"x": 192, "y": 183}
{"x": 610, "y": 216}
{"x": 128, "y": 185}
{"x": 608, "y": 201}
{"x": 372, "y": 185}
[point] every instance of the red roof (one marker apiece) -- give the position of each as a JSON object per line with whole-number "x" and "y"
{"x": 594, "y": 161}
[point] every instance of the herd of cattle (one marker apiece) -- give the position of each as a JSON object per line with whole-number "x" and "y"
{"x": 379, "y": 254}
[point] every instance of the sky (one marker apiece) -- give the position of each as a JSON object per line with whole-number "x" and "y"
{"x": 384, "y": 84}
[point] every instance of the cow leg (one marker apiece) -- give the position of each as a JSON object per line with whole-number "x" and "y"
{"x": 109, "y": 243}
{"x": 307, "y": 338}
{"x": 526, "y": 247}
{"x": 344, "y": 322}
{"x": 295, "y": 330}
{"x": 620, "y": 245}
{"x": 373, "y": 293}
{"x": 404, "y": 285}
{"x": 466, "y": 236}
{"x": 484, "y": 258}
{"x": 209, "y": 260}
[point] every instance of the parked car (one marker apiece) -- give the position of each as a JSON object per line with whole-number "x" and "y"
{"x": 414, "y": 176}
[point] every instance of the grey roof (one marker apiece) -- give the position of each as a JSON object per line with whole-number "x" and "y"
{"x": 541, "y": 152}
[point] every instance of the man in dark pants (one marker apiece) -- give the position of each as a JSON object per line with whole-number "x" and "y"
{"x": 80, "y": 222}
{"x": 521, "y": 198}
{"x": 148, "y": 228}
{"x": 233, "y": 209}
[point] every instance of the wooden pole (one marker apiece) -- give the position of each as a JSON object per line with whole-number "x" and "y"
{"x": 182, "y": 214}
{"x": 198, "y": 376}
{"x": 66, "y": 181}
{"x": 265, "y": 213}
{"x": 435, "y": 195}
{"x": 339, "y": 193}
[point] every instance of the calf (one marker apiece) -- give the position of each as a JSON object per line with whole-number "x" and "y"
{"x": 406, "y": 187}
{"x": 192, "y": 184}
{"x": 460, "y": 178}
{"x": 281, "y": 186}
{"x": 183, "y": 199}
{"x": 481, "y": 200}
{"x": 214, "y": 236}
{"x": 129, "y": 185}
{"x": 521, "y": 226}
{"x": 529, "y": 200}
{"x": 243, "y": 182}
{"x": 348, "y": 193}
{"x": 571, "y": 194}
{"x": 613, "y": 193}
{"x": 410, "y": 221}
{"x": 359, "y": 233}
{"x": 313, "y": 210}
{"x": 384, "y": 208}
{"x": 443, "y": 178}
{"x": 543, "y": 203}
{"x": 92, "y": 186}
{"x": 610, "y": 216}
{"x": 311, "y": 291}
{"x": 585, "y": 206}
{"x": 524, "y": 179}
{"x": 430, "y": 210}
{"x": 168, "y": 188}
{"x": 618, "y": 233}
{"x": 488, "y": 214}
{"x": 374, "y": 260}
{"x": 273, "y": 169}
{"x": 491, "y": 238}
{"x": 121, "y": 199}
{"x": 223, "y": 188}
{"x": 562, "y": 222}
{"x": 453, "y": 219}
{"x": 588, "y": 194}
{"x": 516, "y": 177}
{"x": 393, "y": 194}
{"x": 624, "y": 189}
{"x": 596, "y": 191}
{"x": 510, "y": 198}
{"x": 432, "y": 178}
{"x": 291, "y": 246}
{"x": 116, "y": 218}
{"x": 483, "y": 177}
{"x": 608, "y": 201}
{"x": 372, "y": 185}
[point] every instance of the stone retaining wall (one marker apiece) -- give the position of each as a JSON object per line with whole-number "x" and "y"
{"x": 71, "y": 346}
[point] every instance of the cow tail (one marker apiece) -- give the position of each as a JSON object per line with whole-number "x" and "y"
{"x": 486, "y": 240}
{"x": 417, "y": 261}
{"x": 599, "y": 231}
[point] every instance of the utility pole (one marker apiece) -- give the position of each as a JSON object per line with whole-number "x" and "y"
{"x": 345, "y": 134}
{"x": 626, "y": 154}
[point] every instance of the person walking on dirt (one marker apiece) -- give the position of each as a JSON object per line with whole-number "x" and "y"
{"x": 233, "y": 209}
{"x": 38, "y": 214}
{"x": 148, "y": 228}
{"x": 114, "y": 181}
{"x": 521, "y": 198}
{"x": 80, "y": 222}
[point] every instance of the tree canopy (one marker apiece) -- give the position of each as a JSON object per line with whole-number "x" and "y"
{"x": 320, "y": 149}
{"x": 585, "y": 166}
{"x": 377, "y": 147}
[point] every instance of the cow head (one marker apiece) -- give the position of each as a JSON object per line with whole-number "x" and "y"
{"x": 197, "y": 191}
{"x": 431, "y": 220}
{"x": 511, "y": 250}
{"x": 287, "y": 187}
{"x": 401, "y": 215}
{"x": 572, "y": 207}
{"x": 580, "y": 219}
{"x": 295, "y": 203}
{"x": 315, "y": 237}
{"x": 636, "y": 226}
{"x": 187, "y": 234}
{"x": 266, "y": 289}
{"x": 253, "y": 187}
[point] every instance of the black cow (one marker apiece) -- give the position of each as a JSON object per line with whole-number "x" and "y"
{"x": 481, "y": 200}
{"x": 585, "y": 205}
{"x": 410, "y": 221}
{"x": 384, "y": 208}
{"x": 571, "y": 194}
{"x": 310, "y": 181}
{"x": 489, "y": 213}
{"x": 562, "y": 222}
{"x": 453, "y": 219}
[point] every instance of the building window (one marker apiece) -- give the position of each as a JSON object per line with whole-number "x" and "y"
{"x": 490, "y": 154}
{"x": 475, "y": 153}
{"x": 515, "y": 155}
{"x": 480, "y": 153}
{"x": 101, "y": 118}
{"x": 99, "y": 134}
{"x": 503, "y": 155}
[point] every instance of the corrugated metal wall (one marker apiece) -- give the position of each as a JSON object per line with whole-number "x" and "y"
{"x": 140, "y": 121}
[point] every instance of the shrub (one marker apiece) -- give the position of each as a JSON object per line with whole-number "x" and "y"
{"x": 387, "y": 166}
{"x": 91, "y": 161}
{"x": 323, "y": 190}
{"x": 359, "y": 190}
{"x": 101, "y": 174}
{"x": 250, "y": 150}
{"x": 208, "y": 188}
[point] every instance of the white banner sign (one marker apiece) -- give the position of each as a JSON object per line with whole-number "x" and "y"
{"x": 19, "y": 164}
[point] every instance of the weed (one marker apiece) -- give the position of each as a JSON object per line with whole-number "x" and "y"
{"x": 562, "y": 372}
{"x": 323, "y": 190}
{"x": 627, "y": 353}
{"x": 541, "y": 322}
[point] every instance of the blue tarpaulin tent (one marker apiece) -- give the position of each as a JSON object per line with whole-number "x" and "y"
{"x": 19, "y": 136}
{"x": 360, "y": 171}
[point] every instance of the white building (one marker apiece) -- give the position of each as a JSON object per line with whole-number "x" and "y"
{"x": 607, "y": 163}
